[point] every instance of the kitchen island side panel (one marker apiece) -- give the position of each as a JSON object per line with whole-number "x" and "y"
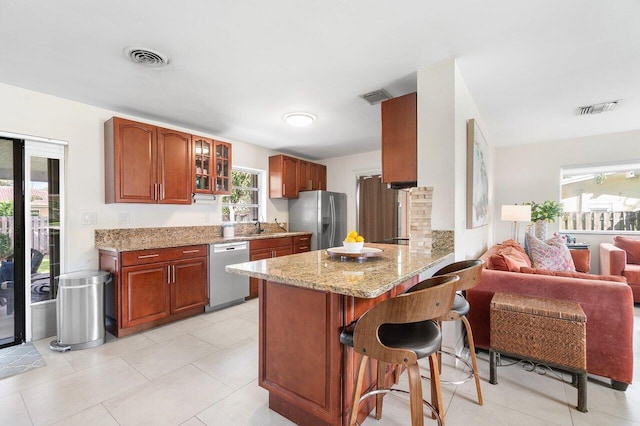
{"x": 308, "y": 373}
{"x": 300, "y": 352}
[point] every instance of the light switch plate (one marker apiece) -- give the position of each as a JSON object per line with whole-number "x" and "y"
{"x": 89, "y": 218}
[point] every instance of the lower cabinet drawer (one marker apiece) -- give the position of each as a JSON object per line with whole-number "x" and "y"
{"x": 139, "y": 257}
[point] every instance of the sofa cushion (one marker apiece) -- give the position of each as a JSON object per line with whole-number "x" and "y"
{"x": 631, "y": 246}
{"x": 569, "y": 274}
{"x": 581, "y": 259}
{"x": 632, "y": 274}
{"x": 552, "y": 255}
{"x": 508, "y": 256}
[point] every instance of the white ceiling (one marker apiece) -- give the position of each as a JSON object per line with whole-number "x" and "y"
{"x": 238, "y": 66}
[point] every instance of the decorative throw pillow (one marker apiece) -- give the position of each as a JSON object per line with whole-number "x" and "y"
{"x": 552, "y": 255}
{"x": 616, "y": 278}
{"x": 631, "y": 246}
{"x": 508, "y": 256}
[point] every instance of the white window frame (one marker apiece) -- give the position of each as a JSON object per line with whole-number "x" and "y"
{"x": 262, "y": 193}
{"x": 597, "y": 169}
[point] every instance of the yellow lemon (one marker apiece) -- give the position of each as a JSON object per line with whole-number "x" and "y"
{"x": 359, "y": 239}
{"x": 349, "y": 240}
{"x": 352, "y": 234}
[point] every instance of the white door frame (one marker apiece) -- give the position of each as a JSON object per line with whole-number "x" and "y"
{"x": 46, "y": 149}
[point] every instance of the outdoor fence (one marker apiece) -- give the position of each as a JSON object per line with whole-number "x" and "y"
{"x": 601, "y": 221}
{"x": 39, "y": 231}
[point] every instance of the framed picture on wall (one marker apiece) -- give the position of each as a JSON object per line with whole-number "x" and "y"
{"x": 477, "y": 179}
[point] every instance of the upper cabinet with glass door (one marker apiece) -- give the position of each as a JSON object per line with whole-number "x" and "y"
{"x": 223, "y": 168}
{"x": 202, "y": 153}
{"x": 212, "y": 166}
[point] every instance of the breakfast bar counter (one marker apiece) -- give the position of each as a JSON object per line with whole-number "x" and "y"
{"x": 305, "y": 300}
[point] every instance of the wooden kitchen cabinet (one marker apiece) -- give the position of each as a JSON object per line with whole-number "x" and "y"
{"x": 303, "y": 175}
{"x": 316, "y": 387}
{"x": 189, "y": 289}
{"x": 285, "y": 171}
{"x": 146, "y": 164}
{"x": 153, "y": 287}
{"x": 274, "y": 247}
{"x": 283, "y": 177}
{"x": 400, "y": 141}
{"x": 223, "y": 168}
{"x": 322, "y": 177}
{"x": 145, "y": 294}
{"x": 211, "y": 166}
{"x": 203, "y": 165}
{"x": 301, "y": 243}
{"x": 314, "y": 176}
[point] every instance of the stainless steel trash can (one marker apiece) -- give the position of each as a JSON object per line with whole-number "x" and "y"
{"x": 80, "y": 310}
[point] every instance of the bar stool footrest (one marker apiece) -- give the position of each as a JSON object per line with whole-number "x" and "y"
{"x": 374, "y": 392}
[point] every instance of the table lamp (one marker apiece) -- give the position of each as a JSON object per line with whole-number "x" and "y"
{"x": 516, "y": 214}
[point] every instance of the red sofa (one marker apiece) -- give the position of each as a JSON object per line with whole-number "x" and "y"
{"x": 608, "y": 306}
{"x": 615, "y": 261}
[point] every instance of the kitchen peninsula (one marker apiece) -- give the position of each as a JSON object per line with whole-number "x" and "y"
{"x": 305, "y": 300}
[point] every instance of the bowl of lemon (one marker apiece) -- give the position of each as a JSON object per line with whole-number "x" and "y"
{"x": 353, "y": 243}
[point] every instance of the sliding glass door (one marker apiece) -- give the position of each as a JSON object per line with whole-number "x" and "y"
{"x": 30, "y": 238}
{"x": 12, "y": 247}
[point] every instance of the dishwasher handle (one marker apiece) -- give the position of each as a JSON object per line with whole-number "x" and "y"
{"x": 227, "y": 247}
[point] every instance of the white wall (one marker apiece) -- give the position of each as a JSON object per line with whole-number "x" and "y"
{"x": 469, "y": 243}
{"x": 532, "y": 173}
{"x": 444, "y": 107}
{"x": 436, "y": 135}
{"x": 342, "y": 176}
{"x": 31, "y": 113}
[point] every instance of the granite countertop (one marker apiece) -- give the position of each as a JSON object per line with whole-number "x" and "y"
{"x": 368, "y": 278}
{"x": 154, "y": 238}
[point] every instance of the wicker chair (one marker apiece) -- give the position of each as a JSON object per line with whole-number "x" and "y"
{"x": 400, "y": 331}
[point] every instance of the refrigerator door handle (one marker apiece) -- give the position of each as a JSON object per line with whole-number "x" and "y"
{"x": 332, "y": 209}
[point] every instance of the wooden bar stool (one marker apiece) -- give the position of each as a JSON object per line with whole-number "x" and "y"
{"x": 469, "y": 273}
{"x": 400, "y": 331}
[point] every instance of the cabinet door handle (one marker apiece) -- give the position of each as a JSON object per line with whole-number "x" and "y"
{"x": 161, "y": 192}
{"x": 147, "y": 256}
{"x": 174, "y": 273}
{"x": 284, "y": 188}
{"x": 169, "y": 274}
{"x": 190, "y": 251}
{"x": 155, "y": 191}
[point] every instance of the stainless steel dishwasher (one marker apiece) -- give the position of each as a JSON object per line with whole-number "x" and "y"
{"x": 227, "y": 289}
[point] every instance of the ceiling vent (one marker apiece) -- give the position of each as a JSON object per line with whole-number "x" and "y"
{"x": 598, "y": 108}
{"x": 375, "y": 97}
{"x": 144, "y": 56}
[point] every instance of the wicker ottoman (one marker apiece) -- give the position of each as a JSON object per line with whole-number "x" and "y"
{"x": 548, "y": 331}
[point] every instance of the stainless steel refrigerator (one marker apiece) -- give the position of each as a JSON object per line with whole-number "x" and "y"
{"x": 322, "y": 213}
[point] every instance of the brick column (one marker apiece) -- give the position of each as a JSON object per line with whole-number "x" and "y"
{"x": 420, "y": 238}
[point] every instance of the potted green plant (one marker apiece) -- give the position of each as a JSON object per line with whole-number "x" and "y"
{"x": 543, "y": 213}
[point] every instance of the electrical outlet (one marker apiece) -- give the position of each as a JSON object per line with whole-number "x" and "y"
{"x": 124, "y": 218}
{"x": 89, "y": 218}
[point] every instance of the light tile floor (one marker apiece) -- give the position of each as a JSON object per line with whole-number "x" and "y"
{"x": 203, "y": 371}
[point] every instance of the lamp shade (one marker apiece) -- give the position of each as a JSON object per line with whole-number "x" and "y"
{"x": 515, "y": 213}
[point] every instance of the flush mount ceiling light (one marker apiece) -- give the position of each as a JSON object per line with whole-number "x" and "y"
{"x": 299, "y": 119}
{"x": 598, "y": 108}
{"x": 145, "y": 56}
